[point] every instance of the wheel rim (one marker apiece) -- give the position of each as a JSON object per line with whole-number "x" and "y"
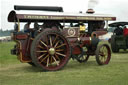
{"x": 52, "y": 51}
{"x": 104, "y": 54}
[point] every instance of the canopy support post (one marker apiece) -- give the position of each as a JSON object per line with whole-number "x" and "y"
{"x": 18, "y": 25}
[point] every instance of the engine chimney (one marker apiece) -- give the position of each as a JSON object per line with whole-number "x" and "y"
{"x": 90, "y": 11}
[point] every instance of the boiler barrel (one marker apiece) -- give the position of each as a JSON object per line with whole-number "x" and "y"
{"x": 41, "y": 8}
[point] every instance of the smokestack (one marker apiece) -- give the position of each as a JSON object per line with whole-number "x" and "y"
{"x": 91, "y": 6}
{"x": 90, "y": 11}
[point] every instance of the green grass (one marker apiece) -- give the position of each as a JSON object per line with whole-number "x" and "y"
{"x": 12, "y": 72}
{"x": 5, "y": 56}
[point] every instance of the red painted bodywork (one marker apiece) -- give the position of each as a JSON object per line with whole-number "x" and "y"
{"x": 22, "y": 37}
{"x": 23, "y": 47}
{"x": 24, "y": 42}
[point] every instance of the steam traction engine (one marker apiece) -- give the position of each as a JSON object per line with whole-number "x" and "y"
{"x": 119, "y": 39}
{"x": 57, "y": 36}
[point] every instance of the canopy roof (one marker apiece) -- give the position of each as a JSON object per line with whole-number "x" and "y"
{"x": 25, "y": 16}
{"x": 116, "y": 24}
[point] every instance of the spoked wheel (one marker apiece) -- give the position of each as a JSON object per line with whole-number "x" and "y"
{"x": 50, "y": 50}
{"x": 103, "y": 54}
{"x": 83, "y": 57}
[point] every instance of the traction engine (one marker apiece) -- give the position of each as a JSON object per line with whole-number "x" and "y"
{"x": 57, "y": 36}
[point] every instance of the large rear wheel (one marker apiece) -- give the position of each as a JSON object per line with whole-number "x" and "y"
{"x": 50, "y": 50}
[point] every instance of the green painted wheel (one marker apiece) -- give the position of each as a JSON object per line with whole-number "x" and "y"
{"x": 103, "y": 54}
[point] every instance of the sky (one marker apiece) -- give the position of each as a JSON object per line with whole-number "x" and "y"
{"x": 117, "y": 8}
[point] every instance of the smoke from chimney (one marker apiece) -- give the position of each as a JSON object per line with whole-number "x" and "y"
{"x": 92, "y": 4}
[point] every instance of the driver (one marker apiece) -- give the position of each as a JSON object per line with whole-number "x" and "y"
{"x": 27, "y": 27}
{"x": 118, "y": 30}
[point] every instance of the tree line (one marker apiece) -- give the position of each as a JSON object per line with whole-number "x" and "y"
{"x": 5, "y": 32}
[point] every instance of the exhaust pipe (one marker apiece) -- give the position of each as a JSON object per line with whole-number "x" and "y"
{"x": 90, "y": 11}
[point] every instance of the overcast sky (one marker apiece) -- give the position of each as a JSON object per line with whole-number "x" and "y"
{"x": 114, "y": 7}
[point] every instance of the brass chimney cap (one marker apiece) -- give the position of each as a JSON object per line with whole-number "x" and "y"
{"x": 90, "y": 11}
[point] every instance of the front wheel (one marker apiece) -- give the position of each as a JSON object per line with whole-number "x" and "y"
{"x": 50, "y": 50}
{"x": 103, "y": 54}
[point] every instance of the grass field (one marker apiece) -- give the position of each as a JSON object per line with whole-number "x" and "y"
{"x": 12, "y": 72}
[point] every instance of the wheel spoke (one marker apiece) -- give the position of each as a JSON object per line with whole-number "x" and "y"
{"x": 84, "y": 57}
{"x": 60, "y": 50}
{"x": 50, "y": 41}
{"x": 57, "y": 57}
{"x": 47, "y": 61}
{"x": 102, "y": 49}
{"x": 56, "y": 44}
{"x": 44, "y": 58}
{"x": 43, "y": 43}
{"x": 101, "y": 54}
{"x": 51, "y": 59}
{"x": 102, "y": 59}
{"x": 60, "y": 54}
{"x": 106, "y": 55}
{"x": 55, "y": 39}
{"x": 40, "y": 46}
{"x": 55, "y": 60}
{"x": 60, "y": 45}
{"x": 41, "y": 56}
{"x": 44, "y": 51}
{"x": 106, "y": 52}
